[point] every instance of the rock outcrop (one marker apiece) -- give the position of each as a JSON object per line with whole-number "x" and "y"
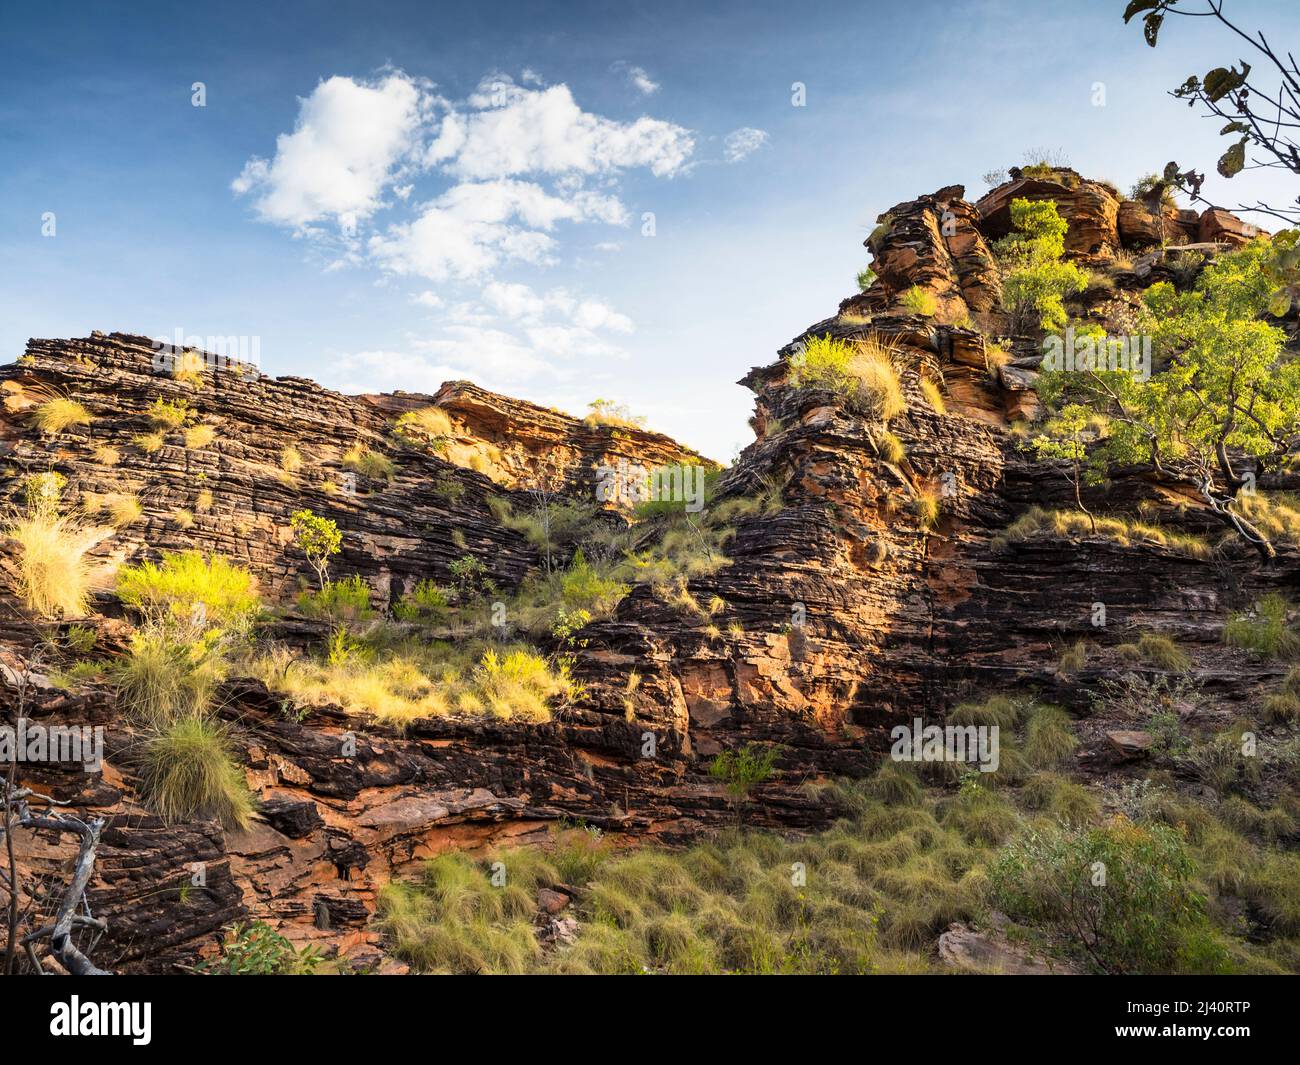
{"x": 848, "y": 609}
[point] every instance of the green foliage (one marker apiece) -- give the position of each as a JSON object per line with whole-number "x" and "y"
{"x": 866, "y": 276}
{"x": 256, "y": 949}
{"x": 1264, "y": 629}
{"x": 318, "y": 538}
{"x": 191, "y": 591}
{"x": 470, "y": 577}
{"x": 742, "y": 769}
{"x": 1145, "y": 187}
{"x": 426, "y": 603}
{"x": 917, "y": 300}
{"x": 1228, "y": 386}
{"x": 1037, "y": 280}
{"x": 166, "y": 415}
{"x": 346, "y": 600}
{"x": 1121, "y": 891}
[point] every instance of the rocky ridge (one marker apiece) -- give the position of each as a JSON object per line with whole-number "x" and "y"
{"x": 846, "y": 612}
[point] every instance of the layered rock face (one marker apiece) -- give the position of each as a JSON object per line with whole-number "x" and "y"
{"x": 845, "y": 611}
{"x": 1102, "y": 222}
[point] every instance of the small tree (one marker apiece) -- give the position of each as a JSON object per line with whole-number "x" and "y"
{"x": 1037, "y": 280}
{"x": 1066, "y": 437}
{"x": 1227, "y": 395}
{"x": 319, "y": 539}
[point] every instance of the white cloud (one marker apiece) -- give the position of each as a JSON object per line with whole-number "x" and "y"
{"x": 472, "y": 228}
{"x": 521, "y": 303}
{"x": 347, "y": 144}
{"x": 641, "y": 81}
{"x": 514, "y": 301}
{"x": 427, "y": 299}
{"x": 593, "y": 314}
{"x": 743, "y": 142}
{"x": 545, "y": 131}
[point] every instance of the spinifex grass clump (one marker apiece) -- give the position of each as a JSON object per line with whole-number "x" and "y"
{"x": 370, "y": 464}
{"x": 862, "y": 373}
{"x": 58, "y": 413}
{"x": 187, "y": 772}
{"x": 403, "y": 678}
{"x": 1126, "y": 532}
{"x": 53, "y": 572}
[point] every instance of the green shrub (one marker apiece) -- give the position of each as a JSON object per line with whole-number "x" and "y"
{"x": 1264, "y": 629}
{"x": 345, "y": 600}
{"x": 917, "y": 300}
{"x": 191, "y": 590}
{"x": 1121, "y": 891}
{"x": 1037, "y": 280}
{"x": 256, "y": 949}
{"x": 742, "y": 769}
{"x": 165, "y": 415}
{"x": 187, "y": 772}
{"x": 425, "y": 603}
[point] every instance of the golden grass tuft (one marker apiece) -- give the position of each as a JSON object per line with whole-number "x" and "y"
{"x": 862, "y": 373}
{"x": 199, "y": 436}
{"x": 150, "y": 442}
{"x": 1074, "y": 524}
{"x": 107, "y": 456}
{"x": 934, "y": 396}
{"x": 53, "y": 578}
{"x": 368, "y": 463}
{"x": 59, "y": 413}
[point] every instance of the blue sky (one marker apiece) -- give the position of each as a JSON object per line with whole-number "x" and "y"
{"x": 389, "y": 194}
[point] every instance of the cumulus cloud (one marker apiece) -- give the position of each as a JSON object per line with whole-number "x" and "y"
{"x": 474, "y": 227}
{"x": 346, "y": 147}
{"x": 523, "y": 131}
{"x": 743, "y": 142}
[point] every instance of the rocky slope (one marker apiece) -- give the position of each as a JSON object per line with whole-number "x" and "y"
{"x": 844, "y": 611}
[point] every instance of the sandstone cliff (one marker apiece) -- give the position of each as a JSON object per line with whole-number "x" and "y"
{"x": 845, "y": 607}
